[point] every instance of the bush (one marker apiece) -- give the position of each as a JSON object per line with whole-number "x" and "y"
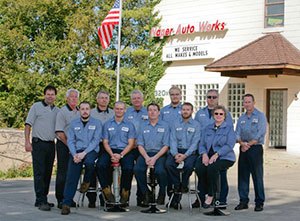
{"x": 17, "y": 172}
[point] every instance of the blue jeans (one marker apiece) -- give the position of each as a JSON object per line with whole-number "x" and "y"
{"x": 104, "y": 169}
{"x": 73, "y": 174}
{"x": 251, "y": 162}
{"x": 140, "y": 170}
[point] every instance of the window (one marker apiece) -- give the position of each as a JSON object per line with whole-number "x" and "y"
{"x": 235, "y": 100}
{"x": 183, "y": 91}
{"x": 200, "y": 94}
{"x": 274, "y": 13}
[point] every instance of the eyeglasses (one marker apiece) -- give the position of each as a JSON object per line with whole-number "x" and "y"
{"x": 217, "y": 113}
{"x": 212, "y": 97}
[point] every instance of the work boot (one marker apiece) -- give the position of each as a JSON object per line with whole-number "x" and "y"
{"x": 108, "y": 195}
{"x": 124, "y": 196}
{"x": 84, "y": 187}
{"x": 65, "y": 210}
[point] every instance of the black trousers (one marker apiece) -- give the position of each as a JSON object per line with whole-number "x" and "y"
{"x": 43, "y": 154}
{"x": 208, "y": 175}
{"x": 62, "y": 153}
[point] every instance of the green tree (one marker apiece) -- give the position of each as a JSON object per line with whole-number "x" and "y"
{"x": 55, "y": 42}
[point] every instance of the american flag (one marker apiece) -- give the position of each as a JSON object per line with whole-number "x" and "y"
{"x": 105, "y": 31}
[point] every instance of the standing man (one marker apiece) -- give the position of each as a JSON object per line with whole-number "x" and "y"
{"x": 63, "y": 119}
{"x": 137, "y": 114}
{"x": 204, "y": 117}
{"x": 184, "y": 141}
{"x": 153, "y": 144}
{"x": 251, "y": 131}
{"x": 118, "y": 141}
{"x": 172, "y": 111}
{"x": 41, "y": 118}
{"x": 83, "y": 141}
{"x": 103, "y": 113}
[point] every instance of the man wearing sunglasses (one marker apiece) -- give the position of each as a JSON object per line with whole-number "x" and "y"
{"x": 204, "y": 117}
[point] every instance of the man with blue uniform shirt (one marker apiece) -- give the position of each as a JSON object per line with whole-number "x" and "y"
{"x": 250, "y": 132}
{"x": 153, "y": 144}
{"x": 172, "y": 112}
{"x": 83, "y": 141}
{"x": 184, "y": 141}
{"x": 204, "y": 117}
{"x": 41, "y": 118}
{"x": 137, "y": 114}
{"x": 118, "y": 141}
{"x": 63, "y": 119}
{"x": 103, "y": 113}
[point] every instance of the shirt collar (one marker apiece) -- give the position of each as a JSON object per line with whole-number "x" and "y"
{"x": 105, "y": 111}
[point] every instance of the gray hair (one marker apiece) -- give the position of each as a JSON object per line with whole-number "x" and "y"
{"x": 102, "y": 92}
{"x": 136, "y": 92}
{"x": 72, "y": 90}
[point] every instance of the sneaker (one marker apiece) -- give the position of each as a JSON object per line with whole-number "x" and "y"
{"x": 84, "y": 187}
{"x": 44, "y": 207}
{"x": 241, "y": 206}
{"x": 65, "y": 210}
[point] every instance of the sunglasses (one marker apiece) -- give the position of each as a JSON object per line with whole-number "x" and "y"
{"x": 212, "y": 97}
{"x": 217, "y": 113}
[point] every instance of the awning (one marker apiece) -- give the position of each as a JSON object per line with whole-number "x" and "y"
{"x": 271, "y": 54}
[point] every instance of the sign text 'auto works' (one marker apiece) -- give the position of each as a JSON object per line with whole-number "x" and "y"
{"x": 203, "y": 26}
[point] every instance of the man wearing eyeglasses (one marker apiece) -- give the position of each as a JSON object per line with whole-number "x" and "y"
{"x": 204, "y": 117}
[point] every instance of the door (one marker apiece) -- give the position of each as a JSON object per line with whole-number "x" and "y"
{"x": 277, "y": 117}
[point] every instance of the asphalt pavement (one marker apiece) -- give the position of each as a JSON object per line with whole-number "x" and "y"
{"x": 282, "y": 185}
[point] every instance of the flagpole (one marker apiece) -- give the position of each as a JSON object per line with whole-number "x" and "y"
{"x": 119, "y": 53}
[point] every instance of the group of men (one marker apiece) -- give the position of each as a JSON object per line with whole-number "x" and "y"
{"x": 137, "y": 137}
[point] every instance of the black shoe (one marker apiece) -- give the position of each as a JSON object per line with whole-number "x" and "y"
{"x": 206, "y": 206}
{"x": 92, "y": 205}
{"x": 258, "y": 208}
{"x": 196, "y": 204}
{"x": 241, "y": 206}
{"x": 45, "y": 207}
{"x": 73, "y": 204}
{"x": 39, "y": 204}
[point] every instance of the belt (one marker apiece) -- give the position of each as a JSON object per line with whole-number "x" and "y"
{"x": 36, "y": 139}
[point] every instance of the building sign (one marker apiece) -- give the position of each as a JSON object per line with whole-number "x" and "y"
{"x": 185, "y": 52}
{"x": 181, "y": 29}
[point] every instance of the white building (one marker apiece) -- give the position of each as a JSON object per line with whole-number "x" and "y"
{"x": 251, "y": 47}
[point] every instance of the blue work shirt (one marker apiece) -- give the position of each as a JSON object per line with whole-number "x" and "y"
{"x": 136, "y": 117}
{"x": 185, "y": 135}
{"x": 171, "y": 114}
{"x": 86, "y": 137}
{"x": 252, "y": 127}
{"x": 204, "y": 118}
{"x": 153, "y": 138}
{"x": 222, "y": 140}
{"x": 118, "y": 134}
